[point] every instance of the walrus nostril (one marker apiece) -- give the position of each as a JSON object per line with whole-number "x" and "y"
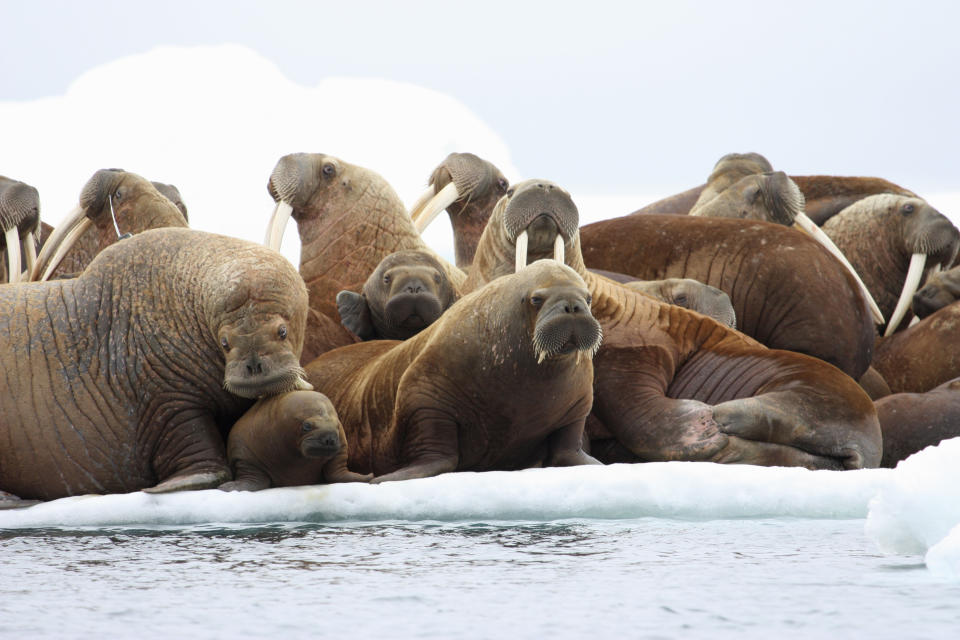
{"x": 254, "y": 368}
{"x": 414, "y": 288}
{"x": 329, "y": 441}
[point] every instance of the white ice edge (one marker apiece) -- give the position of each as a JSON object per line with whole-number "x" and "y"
{"x": 683, "y": 490}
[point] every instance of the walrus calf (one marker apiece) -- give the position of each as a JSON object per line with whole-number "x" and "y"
{"x": 129, "y": 376}
{"x": 288, "y": 440}
{"x": 405, "y": 293}
{"x": 503, "y": 380}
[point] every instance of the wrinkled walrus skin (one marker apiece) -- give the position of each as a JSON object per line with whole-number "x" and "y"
{"x": 115, "y": 380}
{"x": 468, "y": 393}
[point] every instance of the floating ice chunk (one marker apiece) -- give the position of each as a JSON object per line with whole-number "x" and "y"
{"x": 943, "y": 558}
{"x": 921, "y": 505}
{"x": 686, "y": 490}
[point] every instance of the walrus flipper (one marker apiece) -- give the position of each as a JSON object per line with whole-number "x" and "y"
{"x": 355, "y": 314}
{"x": 191, "y": 482}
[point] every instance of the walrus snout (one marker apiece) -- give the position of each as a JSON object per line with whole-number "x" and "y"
{"x": 532, "y": 199}
{"x": 564, "y": 324}
{"x": 413, "y": 309}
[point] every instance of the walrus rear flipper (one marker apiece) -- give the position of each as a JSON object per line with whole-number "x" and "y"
{"x": 192, "y": 482}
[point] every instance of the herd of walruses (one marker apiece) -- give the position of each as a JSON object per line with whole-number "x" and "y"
{"x": 759, "y": 318}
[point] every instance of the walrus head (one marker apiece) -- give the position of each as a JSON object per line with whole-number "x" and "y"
{"x": 557, "y": 303}
{"x": 460, "y": 179}
{"x": 772, "y": 196}
{"x": 940, "y": 290}
{"x": 537, "y": 216}
{"x": 406, "y": 293}
{"x": 171, "y": 193}
{"x": 118, "y": 204}
{"x": 730, "y": 169}
{"x": 318, "y": 429}
{"x": 20, "y": 219}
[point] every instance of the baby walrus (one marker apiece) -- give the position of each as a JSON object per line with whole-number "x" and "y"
{"x": 288, "y": 440}
{"x": 502, "y": 380}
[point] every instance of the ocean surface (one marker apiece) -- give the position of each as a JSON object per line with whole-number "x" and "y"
{"x": 671, "y": 550}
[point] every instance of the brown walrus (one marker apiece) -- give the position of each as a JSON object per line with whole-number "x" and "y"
{"x": 405, "y": 293}
{"x": 129, "y": 376}
{"x": 729, "y": 170}
{"x": 912, "y": 421}
{"x": 689, "y": 294}
{"x": 503, "y": 380}
{"x": 349, "y": 219}
{"x": 922, "y": 356}
{"x": 671, "y": 384}
{"x": 288, "y": 440}
{"x": 113, "y": 205}
{"x": 894, "y": 241}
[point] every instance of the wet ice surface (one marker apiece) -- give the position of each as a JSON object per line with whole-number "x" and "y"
{"x": 648, "y": 577}
{"x": 653, "y": 550}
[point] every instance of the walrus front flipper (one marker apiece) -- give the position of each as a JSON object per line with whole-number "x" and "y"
{"x": 10, "y": 501}
{"x": 355, "y": 314}
{"x": 191, "y": 482}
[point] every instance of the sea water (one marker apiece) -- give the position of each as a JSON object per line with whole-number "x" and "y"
{"x": 658, "y": 550}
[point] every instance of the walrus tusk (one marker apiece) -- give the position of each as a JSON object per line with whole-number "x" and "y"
{"x": 910, "y": 284}
{"x": 521, "y": 250}
{"x": 558, "y": 249}
{"x": 277, "y": 225}
{"x": 303, "y": 385}
{"x": 12, "y": 236}
{"x": 817, "y": 234}
{"x": 71, "y": 239}
{"x": 428, "y": 213}
{"x": 57, "y": 238}
{"x": 30, "y": 246}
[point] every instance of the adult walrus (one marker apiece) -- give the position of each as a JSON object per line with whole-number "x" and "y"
{"x": 912, "y": 421}
{"x": 288, "y": 440}
{"x": 129, "y": 376}
{"x": 349, "y": 219}
{"x": 922, "y": 356}
{"x": 113, "y": 205}
{"x": 672, "y": 384}
{"x": 503, "y": 380}
{"x": 405, "y": 293}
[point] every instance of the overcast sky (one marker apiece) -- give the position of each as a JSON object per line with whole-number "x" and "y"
{"x": 614, "y": 97}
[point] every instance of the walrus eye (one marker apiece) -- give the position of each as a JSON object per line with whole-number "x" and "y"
{"x": 329, "y": 170}
{"x": 502, "y": 184}
{"x": 386, "y": 279}
{"x": 306, "y": 427}
{"x": 119, "y": 194}
{"x": 436, "y": 278}
{"x": 680, "y": 300}
{"x": 536, "y": 301}
{"x": 225, "y": 344}
{"x": 282, "y": 332}
{"x": 510, "y": 192}
{"x": 908, "y": 208}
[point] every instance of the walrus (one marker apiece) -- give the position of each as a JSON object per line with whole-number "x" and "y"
{"x": 129, "y": 376}
{"x": 912, "y": 421}
{"x": 502, "y": 381}
{"x": 671, "y": 384}
{"x": 405, "y": 293}
{"x": 171, "y": 193}
{"x": 689, "y": 294}
{"x": 113, "y": 205}
{"x": 288, "y": 440}
{"x": 729, "y": 170}
{"x": 894, "y": 242}
{"x": 20, "y": 222}
{"x": 349, "y": 219}
{"x": 939, "y": 290}
{"x": 467, "y": 187}
{"x": 922, "y": 356}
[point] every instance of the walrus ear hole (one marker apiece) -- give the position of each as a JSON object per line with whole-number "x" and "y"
{"x": 355, "y": 314}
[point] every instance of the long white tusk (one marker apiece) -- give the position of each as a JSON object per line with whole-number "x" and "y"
{"x": 446, "y": 197}
{"x": 910, "y": 284}
{"x": 56, "y": 239}
{"x": 12, "y": 236}
{"x": 522, "y": 250}
{"x": 64, "y": 248}
{"x": 30, "y": 246}
{"x": 558, "y": 249}
{"x": 421, "y": 200}
{"x": 817, "y": 234}
{"x": 278, "y": 224}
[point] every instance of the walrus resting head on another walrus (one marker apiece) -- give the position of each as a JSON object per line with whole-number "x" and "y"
{"x": 129, "y": 376}
{"x": 405, "y": 293}
{"x": 288, "y": 440}
{"x": 503, "y": 380}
